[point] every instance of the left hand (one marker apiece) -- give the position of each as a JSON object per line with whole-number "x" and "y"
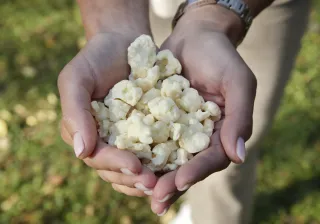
{"x": 212, "y": 64}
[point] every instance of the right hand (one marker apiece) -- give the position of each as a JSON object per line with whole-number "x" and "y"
{"x": 90, "y": 75}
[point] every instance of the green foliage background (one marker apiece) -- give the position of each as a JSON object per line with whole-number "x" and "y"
{"x": 42, "y": 182}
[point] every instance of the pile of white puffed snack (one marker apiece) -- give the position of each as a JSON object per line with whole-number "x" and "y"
{"x": 155, "y": 114}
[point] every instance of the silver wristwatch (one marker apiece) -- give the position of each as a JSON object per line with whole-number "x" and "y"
{"x": 237, "y": 6}
{"x": 240, "y": 8}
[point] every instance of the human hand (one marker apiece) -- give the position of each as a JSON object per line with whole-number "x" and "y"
{"x": 210, "y": 61}
{"x": 90, "y": 75}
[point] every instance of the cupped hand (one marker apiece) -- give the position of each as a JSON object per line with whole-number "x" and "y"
{"x": 214, "y": 67}
{"x": 212, "y": 64}
{"x": 90, "y": 75}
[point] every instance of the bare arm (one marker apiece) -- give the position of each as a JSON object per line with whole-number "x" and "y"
{"x": 118, "y": 16}
{"x": 218, "y": 18}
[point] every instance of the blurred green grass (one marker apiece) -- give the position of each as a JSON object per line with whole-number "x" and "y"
{"x": 42, "y": 182}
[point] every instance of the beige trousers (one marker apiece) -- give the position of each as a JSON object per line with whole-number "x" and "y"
{"x": 269, "y": 49}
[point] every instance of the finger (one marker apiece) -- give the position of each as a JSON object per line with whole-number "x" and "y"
{"x": 165, "y": 187}
{"x": 205, "y": 163}
{"x": 240, "y": 91}
{"x": 76, "y": 85}
{"x": 65, "y": 134}
{"x": 165, "y": 193}
{"x": 128, "y": 191}
{"x": 161, "y": 208}
{"x": 145, "y": 181}
{"x": 106, "y": 157}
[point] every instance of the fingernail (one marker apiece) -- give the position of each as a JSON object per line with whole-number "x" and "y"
{"x": 78, "y": 144}
{"x": 166, "y": 198}
{"x": 186, "y": 187}
{"x": 163, "y": 213}
{"x": 241, "y": 149}
{"x": 149, "y": 192}
{"x": 141, "y": 187}
{"x": 127, "y": 172}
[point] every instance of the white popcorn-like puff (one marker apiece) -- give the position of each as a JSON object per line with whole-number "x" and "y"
{"x": 101, "y": 112}
{"x": 150, "y": 80}
{"x": 183, "y": 82}
{"x": 160, "y": 132}
{"x": 126, "y": 91}
{"x": 168, "y": 64}
{"x": 164, "y": 109}
{"x": 213, "y": 109}
{"x": 190, "y": 100}
{"x": 194, "y": 142}
{"x": 176, "y": 130}
{"x": 104, "y": 128}
{"x": 142, "y": 105}
{"x": 182, "y": 157}
{"x": 158, "y": 85}
{"x": 138, "y": 130}
{"x": 162, "y": 152}
{"x": 208, "y": 126}
{"x": 141, "y": 56}
{"x": 118, "y": 110}
{"x": 156, "y": 114}
{"x": 173, "y": 86}
{"x": 119, "y": 128}
{"x": 185, "y": 117}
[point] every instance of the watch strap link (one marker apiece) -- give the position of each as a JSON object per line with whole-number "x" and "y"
{"x": 237, "y": 6}
{"x": 240, "y": 8}
{"x": 188, "y": 5}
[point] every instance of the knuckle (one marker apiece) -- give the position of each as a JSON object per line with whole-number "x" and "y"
{"x": 123, "y": 180}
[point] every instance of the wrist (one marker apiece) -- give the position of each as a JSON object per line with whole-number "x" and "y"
{"x": 214, "y": 18}
{"x": 117, "y": 16}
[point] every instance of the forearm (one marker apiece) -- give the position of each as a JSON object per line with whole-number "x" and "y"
{"x": 121, "y": 16}
{"x": 216, "y": 17}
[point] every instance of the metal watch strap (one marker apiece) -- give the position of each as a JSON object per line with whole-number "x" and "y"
{"x": 237, "y": 6}
{"x": 188, "y": 5}
{"x": 240, "y": 8}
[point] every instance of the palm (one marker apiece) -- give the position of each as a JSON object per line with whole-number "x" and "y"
{"x": 90, "y": 75}
{"x": 105, "y": 57}
{"x": 217, "y": 71}
{"x": 205, "y": 62}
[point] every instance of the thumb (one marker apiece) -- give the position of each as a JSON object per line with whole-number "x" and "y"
{"x": 76, "y": 85}
{"x": 240, "y": 91}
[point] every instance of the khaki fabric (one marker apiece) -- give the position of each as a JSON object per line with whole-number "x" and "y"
{"x": 269, "y": 49}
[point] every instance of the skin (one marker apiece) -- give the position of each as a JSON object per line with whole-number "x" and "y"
{"x": 90, "y": 75}
{"x": 204, "y": 42}
{"x": 220, "y": 75}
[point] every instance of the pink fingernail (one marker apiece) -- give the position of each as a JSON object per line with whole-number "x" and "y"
{"x": 163, "y": 213}
{"x": 149, "y": 192}
{"x": 241, "y": 149}
{"x": 141, "y": 187}
{"x": 78, "y": 144}
{"x": 185, "y": 187}
{"x": 127, "y": 172}
{"x": 166, "y": 198}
